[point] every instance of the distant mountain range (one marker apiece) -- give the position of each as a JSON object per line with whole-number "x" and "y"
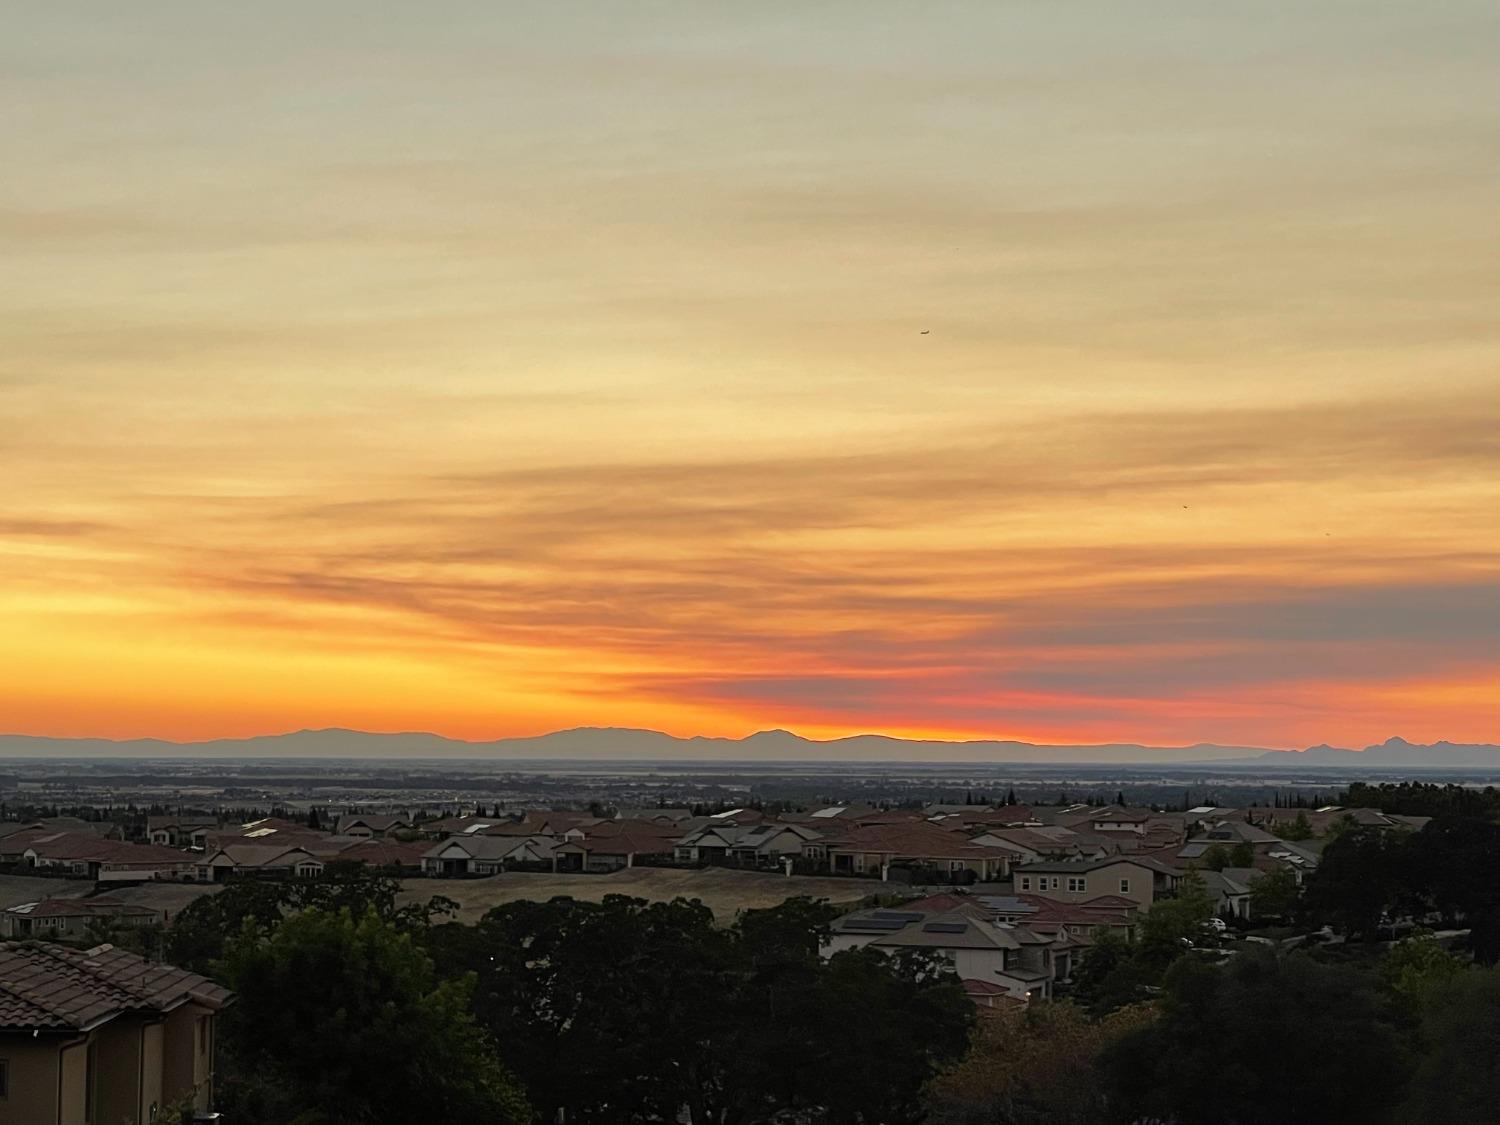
{"x": 622, "y": 744}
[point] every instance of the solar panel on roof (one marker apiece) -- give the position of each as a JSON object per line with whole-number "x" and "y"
{"x": 900, "y": 915}
{"x": 944, "y": 928}
{"x": 884, "y": 924}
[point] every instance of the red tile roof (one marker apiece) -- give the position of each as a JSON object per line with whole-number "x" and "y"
{"x": 385, "y": 853}
{"x": 914, "y": 841}
{"x": 47, "y": 987}
{"x": 68, "y": 846}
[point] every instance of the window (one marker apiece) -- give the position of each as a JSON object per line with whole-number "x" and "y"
{"x": 4, "y": 1079}
{"x": 203, "y": 1026}
{"x": 1124, "y": 886}
{"x": 1076, "y": 883}
{"x": 1026, "y": 882}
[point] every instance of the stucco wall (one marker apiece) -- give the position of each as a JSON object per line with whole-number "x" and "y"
{"x": 32, "y": 1067}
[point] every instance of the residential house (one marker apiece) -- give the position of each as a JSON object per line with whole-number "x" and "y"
{"x": 179, "y": 831}
{"x": 913, "y": 848}
{"x": 264, "y": 860}
{"x": 767, "y": 844}
{"x": 1329, "y": 817}
{"x": 17, "y": 836}
{"x": 390, "y": 855}
{"x": 367, "y": 825}
{"x": 708, "y": 844}
{"x": 101, "y": 1036}
{"x": 1117, "y": 819}
{"x": 980, "y": 816}
{"x": 71, "y": 918}
{"x": 612, "y": 852}
{"x": 977, "y": 947}
{"x": 657, "y": 816}
{"x": 86, "y": 855}
{"x": 1026, "y": 845}
{"x": 458, "y": 856}
{"x": 1076, "y": 881}
{"x": 989, "y": 997}
{"x": 1230, "y": 890}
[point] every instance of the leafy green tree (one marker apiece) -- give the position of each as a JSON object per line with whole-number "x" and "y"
{"x": 1275, "y": 893}
{"x": 1417, "y": 966}
{"x": 632, "y": 1011}
{"x": 1110, "y": 975}
{"x": 883, "y": 1029}
{"x": 1216, "y": 857}
{"x": 1451, "y": 869}
{"x": 1298, "y": 830}
{"x": 197, "y": 936}
{"x": 1171, "y": 925}
{"x": 605, "y": 1005}
{"x": 1362, "y": 874}
{"x": 1458, "y": 1079}
{"x": 341, "y": 1018}
{"x": 1228, "y": 1048}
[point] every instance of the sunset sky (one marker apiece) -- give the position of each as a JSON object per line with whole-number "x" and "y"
{"x": 1068, "y": 372}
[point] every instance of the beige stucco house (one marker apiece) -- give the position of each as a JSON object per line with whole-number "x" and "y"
{"x": 1081, "y": 880}
{"x": 100, "y": 1036}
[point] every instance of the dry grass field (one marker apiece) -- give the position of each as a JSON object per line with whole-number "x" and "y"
{"x": 16, "y": 889}
{"x": 723, "y": 891}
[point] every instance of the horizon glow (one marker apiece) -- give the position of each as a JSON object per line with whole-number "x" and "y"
{"x": 1005, "y": 371}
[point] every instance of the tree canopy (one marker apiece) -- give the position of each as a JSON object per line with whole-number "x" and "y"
{"x": 342, "y": 1020}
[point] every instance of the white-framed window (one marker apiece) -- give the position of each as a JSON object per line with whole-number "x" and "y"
{"x": 1124, "y": 886}
{"x": 1076, "y": 883}
{"x": 1026, "y": 882}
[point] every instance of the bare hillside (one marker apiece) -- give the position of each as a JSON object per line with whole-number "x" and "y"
{"x": 725, "y": 892}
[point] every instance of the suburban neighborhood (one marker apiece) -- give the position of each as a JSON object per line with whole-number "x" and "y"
{"x": 1011, "y": 900}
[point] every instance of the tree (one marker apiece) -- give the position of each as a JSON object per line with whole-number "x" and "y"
{"x": 1110, "y": 975}
{"x": 1298, "y": 830}
{"x": 341, "y": 1016}
{"x": 1417, "y": 966}
{"x": 881, "y": 1029}
{"x": 1451, "y": 865}
{"x": 606, "y": 1004}
{"x": 1275, "y": 893}
{"x": 1219, "y": 1053}
{"x": 1216, "y": 857}
{"x": 1457, "y": 1081}
{"x": 1361, "y": 875}
{"x": 1172, "y": 925}
{"x": 1036, "y": 1066}
{"x": 197, "y": 937}
{"x": 626, "y": 1009}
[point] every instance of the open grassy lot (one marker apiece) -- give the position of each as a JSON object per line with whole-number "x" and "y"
{"x": 725, "y": 892}
{"x": 16, "y": 889}
{"x": 167, "y": 899}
